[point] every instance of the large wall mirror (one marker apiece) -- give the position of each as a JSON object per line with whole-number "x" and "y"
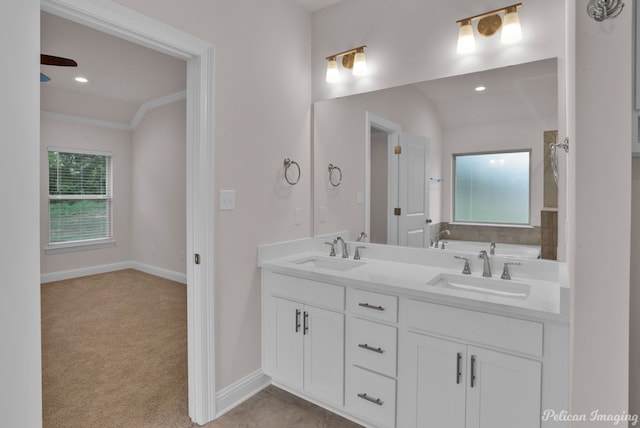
{"x": 407, "y": 198}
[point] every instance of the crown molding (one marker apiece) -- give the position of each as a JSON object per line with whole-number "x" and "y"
{"x": 158, "y": 102}
{"x": 142, "y": 110}
{"x": 85, "y": 121}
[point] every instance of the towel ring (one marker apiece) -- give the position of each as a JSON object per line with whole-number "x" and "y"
{"x": 287, "y": 164}
{"x": 334, "y": 183}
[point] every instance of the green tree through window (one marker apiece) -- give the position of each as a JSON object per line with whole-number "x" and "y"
{"x": 79, "y": 197}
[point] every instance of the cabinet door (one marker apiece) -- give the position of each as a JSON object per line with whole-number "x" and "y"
{"x": 438, "y": 378}
{"x": 287, "y": 339}
{"x": 324, "y": 354}
{"x": 505, "y": 392}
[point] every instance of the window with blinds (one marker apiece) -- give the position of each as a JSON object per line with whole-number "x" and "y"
{"x": 80, "y": 197}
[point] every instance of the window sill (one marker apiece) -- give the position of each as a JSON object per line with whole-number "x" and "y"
{"x": 79, "y": 246}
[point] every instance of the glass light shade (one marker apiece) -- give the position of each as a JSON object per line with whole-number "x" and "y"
{"x": 511, "y": 30}
{"x": 360, "y": 64}
{"x": 333, "y": 75}
{"x": 466, "y": 40}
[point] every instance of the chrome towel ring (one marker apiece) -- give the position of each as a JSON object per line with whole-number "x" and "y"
{"x": 335, "y": 182}
{"x": 287, "y": 164}
{"x": 604, "y": 9}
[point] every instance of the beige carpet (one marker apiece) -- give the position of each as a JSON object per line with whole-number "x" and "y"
{"x": 115, "y": 355}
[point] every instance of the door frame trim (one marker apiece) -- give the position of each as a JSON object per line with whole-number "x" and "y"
{"x": 393, "y": 131}
{"x": 119, "y": 21}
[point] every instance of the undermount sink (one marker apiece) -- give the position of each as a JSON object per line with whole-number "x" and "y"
{"x": 491, "y": 286}
{"x": 331, "y": 263}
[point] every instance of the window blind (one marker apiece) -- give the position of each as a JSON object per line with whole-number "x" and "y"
{"x": 80, "y": 197}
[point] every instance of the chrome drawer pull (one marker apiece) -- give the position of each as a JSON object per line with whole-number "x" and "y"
{"x": 373, "y": 400}
{"x": 369, "y": 348}
{"x": 368, "y": 306}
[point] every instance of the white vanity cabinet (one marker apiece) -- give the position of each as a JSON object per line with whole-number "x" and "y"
{"x": 462, "y": 386}
{"x": 394, "y": 356}
{"x": 448, "y": 380}
{"x": 303, "y": 335}
{"x": 371, "y": 356}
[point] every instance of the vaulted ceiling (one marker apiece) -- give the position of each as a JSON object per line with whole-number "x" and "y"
{"x": 122, "y": 75}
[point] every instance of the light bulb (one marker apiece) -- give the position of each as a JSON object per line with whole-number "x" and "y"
{"x": 466, "y": 41}
{"x": 333, "y": 74}
{"x": 360, "y": 63}
{"x": 511, "y": 30}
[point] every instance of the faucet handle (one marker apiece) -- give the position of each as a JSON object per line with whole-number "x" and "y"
{"x": 505, "y": 271}
{"x": 356, "y": 255}
{"x": 442, "y": 246}
{"x": 332, "y": 253}
{"x": 466, "y": 269}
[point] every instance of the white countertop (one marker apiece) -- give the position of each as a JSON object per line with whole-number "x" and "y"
{"x": 547, "y": 298}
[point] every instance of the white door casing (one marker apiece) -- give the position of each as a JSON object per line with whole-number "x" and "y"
{"x": 119, "y": 21}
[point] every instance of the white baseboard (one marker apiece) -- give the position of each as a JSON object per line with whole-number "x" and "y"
{"x": 112, "y": 267}
{"x": 240, "y": 391}
{"x": 161, "y": 272}
{"x": 85, "y": 271}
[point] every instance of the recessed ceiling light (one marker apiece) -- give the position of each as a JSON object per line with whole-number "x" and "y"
{"x": 81, "y": 79}
{"x": 480, "y": 88}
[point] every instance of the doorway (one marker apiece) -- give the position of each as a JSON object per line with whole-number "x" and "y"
{"x": 121, "y": 22}
{"x": 397, "y": 184}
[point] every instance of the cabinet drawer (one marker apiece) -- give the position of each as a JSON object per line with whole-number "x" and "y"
{"x": 372, "y": 397}
{"x": 477, "y": 327}
{"x": 304, "y": 290}
{"x": 373, "y": 345}
{"x": 373, "y": 305}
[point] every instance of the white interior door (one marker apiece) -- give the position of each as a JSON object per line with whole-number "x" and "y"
{"x": 413, "y": 191}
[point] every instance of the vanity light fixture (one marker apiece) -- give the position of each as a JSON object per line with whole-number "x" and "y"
{"x": 488, "y": 24}
{"x": 353, "y": 59}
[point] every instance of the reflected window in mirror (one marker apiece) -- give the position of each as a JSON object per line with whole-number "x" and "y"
{"x": 492, "y": 187}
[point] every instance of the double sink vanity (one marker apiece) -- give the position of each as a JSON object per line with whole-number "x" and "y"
{"x": 402, "y": 338}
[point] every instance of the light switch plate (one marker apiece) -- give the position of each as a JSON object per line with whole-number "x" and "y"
{"x": 227, "y": 200}
{"x": 360, "y": 198}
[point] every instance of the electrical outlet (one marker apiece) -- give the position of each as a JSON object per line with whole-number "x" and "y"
{"x": 227, "y": 199}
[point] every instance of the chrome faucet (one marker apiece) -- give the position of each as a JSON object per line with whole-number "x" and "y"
{"x": 505, "y": 271}
{"x": 486, "y": 267}
{"x": 492, "y": 248}
{"x": 439, "y": 235}
{"x": 345, "y": 252}
{"x": 361, "y": 236}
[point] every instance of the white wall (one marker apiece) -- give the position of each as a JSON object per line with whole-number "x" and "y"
{"x": 339, "y": 138}
{"x": 600, "y": 190}
{"x": 20, "y": 371}
{"x": 158, "y": 188}
{"x": 262, "y": 108}
{"x": 634, "y": 327}
{"x": 493, "y": 137}
{"x": 412, "y": 40}
{"x": 55, "y": 133}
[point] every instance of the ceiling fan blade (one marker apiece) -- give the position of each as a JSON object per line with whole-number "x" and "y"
{"x": 56, "y": 60}
{"x": 44, "y": 78}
